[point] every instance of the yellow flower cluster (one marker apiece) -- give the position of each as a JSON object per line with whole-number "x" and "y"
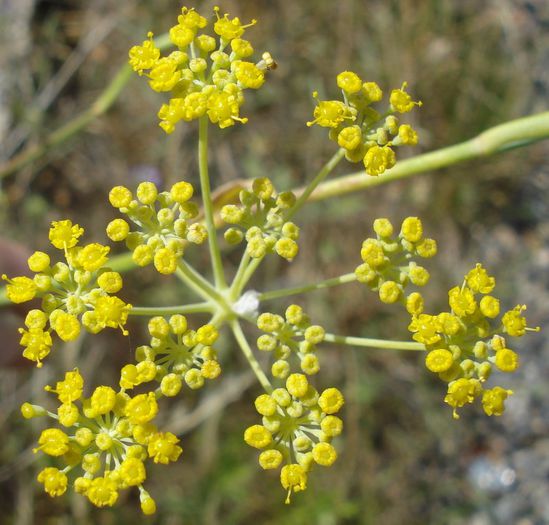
{"x": 297, "y": 428}
{"x": 291, "y": 336}
{"x": 466, "y": 343}
{"x": 261, "y": 218}
{"x": 176, "y": 354}
{"x": 164, "y": 220}
{"x": 78, "y": 291}
{"x": 107, "y": 437}
{"x": 207, "y": 75}
{"x": 364, "y": 133}
{"x": 388, "y": 266}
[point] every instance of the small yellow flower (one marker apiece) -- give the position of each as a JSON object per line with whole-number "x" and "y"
{"x": 63, "y": 234}
{"x": 270, "y": 459}
{"x": 242, "y": 48}
{"x": 70, "y": 388}
{"x": 144, "y": 56}
{"x": 378, "y": 159}
{"x": 55, "y": 481}
{"x": 147, "y": 192}
{"x": 164, "y": 75}
{"x": 383, "y": 227}
{"x": 207, "y": 334}
{"x": 297, "y": 385}
{"x": 93, "y": 256}
{"x": 181, "y": 192}
{"x": 349, "y": 82}
{"x": 258, "y": 436}
{"x": 418, "y": 275}
{"x": 102, "y": 492}
{"x": 478, "y": 280}
{"x": 66, "y": 325}
{"x": 331, "y": 426}
{"x": 427, "y": 248}
{"x": 68, "y": 414}
{"x": 372, "y": 91}
{"x": 211, "y": 369}
{"x": 462, "y": 391}
{"x": 324, "y": 454}
{"x": 39, "y": 262}
{"x": 20, "y": 289}
{"x": 117, "y": 230}
{"x": 401, "y": 101}
{"x": 407, "y": 135}
{"x": 331, "y": 401}
{"x": 350, "y": 137}
{"x": 414, "y": 303}
{"x": 268, "y": 322}
{"x": 412, "y": 229}
{"x": 286, "y": 248}
{"x": 390, "y": 292}
{"x": 163, "y": 447}
{"x": 265, "y": 405}
{"x": 330, "y": 113}
{"x": 425, "y": 329}
{"x": 181, "y": 36}
{"x": 142, "y": 408}
{"x": 110, "y": 282}
{"x": 148, "y": 505}
{"x": 439, "y": 360}
{"x": 228, "y": 29}
{"x": 372, "y": 253}
{"x": 248, "y": 74}
{"x": 462, "y": 301}
{"x": 493, "y": 400}
{"x": 112, "y": 312}
{"x": 513, "y": 321}
{"x": 165, "y": 261}
{"x": 489, "y": 306}
{"x": 293, "y": 478}
{"x": 120, "y": 197}
{"x": 102, "y": 400}
{"x": 132, "y": 472}
{"x": 53, "y": 442}
{"x": 506, "y": 360}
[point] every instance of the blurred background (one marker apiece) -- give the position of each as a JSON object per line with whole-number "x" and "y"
{"x": 403, "y": 459}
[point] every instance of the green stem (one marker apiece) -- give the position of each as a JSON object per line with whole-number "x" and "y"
{"x": 170, "y": 310}
{"x": 320, "y": 176}
{"x": 513, "y": 134}
{"x": 247, "y": 275}
{"x": 242, "y": 267}
{"x": 195, "y": 281}
{"x": 373, "y": 343}
{"x": 248, "y": 354}
{"x": 275, "y": 294}
{"x": 217, "y": 264}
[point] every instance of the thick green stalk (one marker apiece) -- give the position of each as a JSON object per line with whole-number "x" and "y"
{"x": 242, "y": 267}
{"x": 247, "y": 275}
{"x": 215, "y": 254}
{"x": 320, "y": 176}
{"x": 284, "y": 292}
{"x": 170, "y": 310}
{"x": 196, "y": 282}
{"x": 373, "y": 343}
{"x": 248, "y": 354}
{"x": 513, "y": 134}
